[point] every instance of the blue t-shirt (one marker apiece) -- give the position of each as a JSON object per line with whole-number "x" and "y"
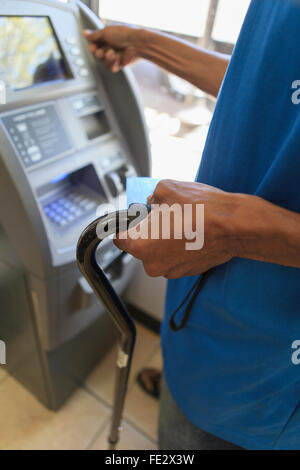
{"x": 230, "y": 369}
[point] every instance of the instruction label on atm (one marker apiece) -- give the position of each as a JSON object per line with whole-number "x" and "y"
{"x": 37, "y": 134}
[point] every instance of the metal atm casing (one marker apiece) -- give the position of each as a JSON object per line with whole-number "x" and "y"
{"x": 52, "y": 152}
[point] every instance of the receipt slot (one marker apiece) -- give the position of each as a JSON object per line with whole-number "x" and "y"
{"x": 70, "y": 134}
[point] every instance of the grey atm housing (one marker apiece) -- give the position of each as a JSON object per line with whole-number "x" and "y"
{"x": 66, "y": 147}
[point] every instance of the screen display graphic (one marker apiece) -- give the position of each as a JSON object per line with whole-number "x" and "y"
{"x": 29, "y": 52}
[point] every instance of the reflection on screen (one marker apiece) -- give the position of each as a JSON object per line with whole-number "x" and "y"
{"x": 29, "y": 52}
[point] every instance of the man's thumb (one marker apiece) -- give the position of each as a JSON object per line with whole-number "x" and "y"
{"x": 91, "y": 35}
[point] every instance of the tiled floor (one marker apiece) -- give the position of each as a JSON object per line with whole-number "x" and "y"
{"x": 83, "y": 422}
{"x": 2, "y": 373}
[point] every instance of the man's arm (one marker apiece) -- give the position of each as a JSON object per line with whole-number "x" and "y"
{"x": 202, "y": 68}
{"x": 120, "y": 45}
{"x": 265, "y": 232}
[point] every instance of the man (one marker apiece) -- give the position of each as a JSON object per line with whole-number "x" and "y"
{"x": 231, "y": 378}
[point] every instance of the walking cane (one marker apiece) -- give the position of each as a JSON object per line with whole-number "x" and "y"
{"x": 88, "y": 242}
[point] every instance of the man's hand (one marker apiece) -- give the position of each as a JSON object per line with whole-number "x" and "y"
{"x": 170, "y": 258}
{"x": 235, "y": 225}
{"x": 115, "y": 45}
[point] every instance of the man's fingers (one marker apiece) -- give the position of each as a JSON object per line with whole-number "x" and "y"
{"x": 110, "y": 56}
{"x": 99, "y": 53}
{"x": 127, "y": 57}
{"x": 149, "y": 199}
{"x": 116, "y": 65}
{"x": 93, "y": 48}
{"x": 152, "y": 269}
{"x": 135, "y": 241}
{"x": 113, "y": 60}
{"x": 125, "y": 243}
{"x": 93, "y": 36}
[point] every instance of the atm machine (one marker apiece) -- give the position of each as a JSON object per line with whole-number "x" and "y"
{"x": 70, "y": 134}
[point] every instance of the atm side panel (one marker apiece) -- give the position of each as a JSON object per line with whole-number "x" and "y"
{"x": 17, "y": 329}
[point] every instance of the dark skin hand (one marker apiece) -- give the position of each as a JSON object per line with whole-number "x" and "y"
{"x": 169, "y": 258}
{"x": 113, "y": 46}
{"x": 235, "y": 225}
{"x": 118, "y": 46}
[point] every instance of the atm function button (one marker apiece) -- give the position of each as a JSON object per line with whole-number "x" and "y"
{"x": 34, "y": 153}
{"x": 79, "y": 61}
{"x": 35, "y": 157}
{"x": 83, "y": 72}
{"x": 71, "y": 40}
{"x": 75, "y": 50}
{"x": 22, "y": 127}
{"x": 28, "y": 142}
{"x": 105, "y": 163}
{"x": 78, "y": 104}
{"x": 33, "y": 149}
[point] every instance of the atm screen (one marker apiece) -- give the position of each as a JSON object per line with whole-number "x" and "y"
{"x": 29, "y": 52}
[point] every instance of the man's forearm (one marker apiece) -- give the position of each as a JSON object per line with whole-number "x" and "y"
{"x": 265, "y": 232}
{"x": 202, "y": 68}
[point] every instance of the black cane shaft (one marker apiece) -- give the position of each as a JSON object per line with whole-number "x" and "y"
{"x": 86, "y": 258}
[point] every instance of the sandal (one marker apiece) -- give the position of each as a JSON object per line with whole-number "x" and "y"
{"x": 149, "y": 380}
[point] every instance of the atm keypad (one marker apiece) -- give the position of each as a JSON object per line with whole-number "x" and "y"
{"x": 65, "y": 210}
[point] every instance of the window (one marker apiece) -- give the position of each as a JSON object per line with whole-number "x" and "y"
{"x": 184, "y": 17}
